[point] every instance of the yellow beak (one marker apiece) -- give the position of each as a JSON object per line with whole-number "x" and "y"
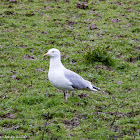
{"x": 46, "y": 54}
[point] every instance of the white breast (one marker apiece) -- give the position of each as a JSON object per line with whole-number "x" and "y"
{"x": 58, "y": 80}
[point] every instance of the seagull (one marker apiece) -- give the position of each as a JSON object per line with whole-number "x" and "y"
{"x": 63, "y": 78}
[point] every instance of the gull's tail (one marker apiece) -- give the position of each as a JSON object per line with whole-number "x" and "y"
{"x": 93, "y": 88}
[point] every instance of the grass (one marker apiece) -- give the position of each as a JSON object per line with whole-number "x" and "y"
{"x": 101, "y": 43}
{"x": 100, "y": 54}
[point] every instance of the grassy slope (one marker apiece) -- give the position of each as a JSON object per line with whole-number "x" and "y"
{"x": 30, "y": 106}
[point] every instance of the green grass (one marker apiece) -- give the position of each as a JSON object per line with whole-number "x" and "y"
{"x": 101, "y": 43}
{"x": 100, "y": 54}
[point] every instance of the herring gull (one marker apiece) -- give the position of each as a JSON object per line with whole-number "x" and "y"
{"x": 65, "y": 79}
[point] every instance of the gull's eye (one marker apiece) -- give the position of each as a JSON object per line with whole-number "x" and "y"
{"x": 52, "y": 51}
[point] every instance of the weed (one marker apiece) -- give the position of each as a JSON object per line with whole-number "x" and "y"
{"x": 100, "y": 54}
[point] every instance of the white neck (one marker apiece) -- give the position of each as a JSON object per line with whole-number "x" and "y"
{"x": 55, "y": 62}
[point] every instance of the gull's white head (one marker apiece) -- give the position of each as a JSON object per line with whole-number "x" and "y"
{"x": 53, "y": 53}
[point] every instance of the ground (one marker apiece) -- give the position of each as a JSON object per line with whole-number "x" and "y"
{"x": 99, "y": 40}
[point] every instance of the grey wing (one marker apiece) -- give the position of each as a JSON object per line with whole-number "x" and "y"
{"x": 77, "y": 81}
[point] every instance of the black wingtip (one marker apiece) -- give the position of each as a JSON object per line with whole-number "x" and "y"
{"x": 97, "y": 88}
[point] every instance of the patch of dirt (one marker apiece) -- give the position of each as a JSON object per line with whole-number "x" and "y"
{"x": 47, "y": 117}
{"x": 71, "y": 135}
{"x": 115, "y": 20}
{"x": 72, "y": 123}
{"x": 128, "y": 114}
{"x": 119, "y": 114}
{"x": 8, "y": 115}
{"x": 13, "y": 71}
{"x": 91, "y": 39}
{"x": 93, "y": 27}
{"x": 117, "y": 3}
{"x": 119, "y": 82}
{"x": 23, "y": 46}
{"x": 5, "y": 96}
{"x": 68, "y": 26}
{"x": 15, "y": 77}
{"x": 129, "y": 10}
{"x": 114, "y": 137}
{"x": 9, "y": 12}
{"x": 50, "y": 42}
{"x": 67, "y": 1}
{"x": 108, "y": 92}
{"x": 50, "y": 95}
{"x": 80, "y": 51}
{"x": 12, "y": 1}
{"x": 40, "y": 70}
{"x": 98, "y": 15}
{"x": 82, "y": 5}
{"x": 98, "y": 109}
{"x": 77, "y": 104}
{"x": 29, "y": 14}
{"x": 23, "y": 26}
{"x": 133, "y": 59}
{"x": 44, "y": 32}
{"x": 104, "y": 92}
{"x": 100, "y": 34}
{"x": 103, "y": 67}
{"x": 27, "y": 56}
{"x": 82, "y": 95}
{"x": 81, "y": 116}
{"x": 115, "y": 128}
{"x": 73, "y": 61}
{"x": 70, "y": 22}
{"x": 64, "y": 56}
{"x": 16, "y": 127}
{"x": 1, "y": 134}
